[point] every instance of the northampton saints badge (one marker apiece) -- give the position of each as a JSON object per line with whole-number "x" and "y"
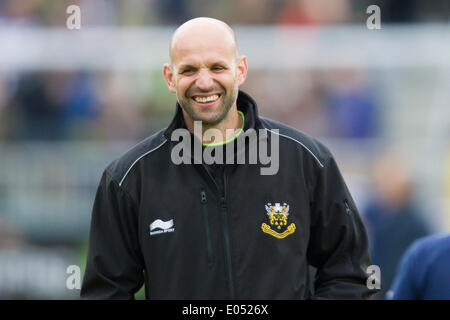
{"x": 278, "y": 218}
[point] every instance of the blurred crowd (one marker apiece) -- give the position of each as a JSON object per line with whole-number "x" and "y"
{"x": 164, "y": 12}
{"x": 84, "y": 105}
{"x": 55, "y": 105}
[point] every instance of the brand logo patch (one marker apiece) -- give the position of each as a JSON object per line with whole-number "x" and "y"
{"x": 278, "y": 215}
{"x": 158, "y": 226}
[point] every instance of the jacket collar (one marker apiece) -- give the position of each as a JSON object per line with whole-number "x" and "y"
{"x": 245, "y": 103}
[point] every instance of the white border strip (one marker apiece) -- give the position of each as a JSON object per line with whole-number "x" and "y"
{"x": 280, "y": 134}
{"x": 126, "y": 173}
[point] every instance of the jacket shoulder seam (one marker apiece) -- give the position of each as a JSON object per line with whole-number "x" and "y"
{"x": 300, "y": 143}
{"x": 121, "y": 188}
{"x": 138, "y": 159}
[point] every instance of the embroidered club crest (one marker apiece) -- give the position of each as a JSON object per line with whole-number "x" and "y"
{"x": 278, "y": 215}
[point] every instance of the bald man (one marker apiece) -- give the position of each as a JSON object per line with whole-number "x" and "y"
{"x": 178, "y": 215}
{"x": 206, "y": 67}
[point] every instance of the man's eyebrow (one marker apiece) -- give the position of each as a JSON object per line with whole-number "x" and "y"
{"x": 220, "y": 62}
{"x": 210, "y": 64}
{"x": 185, "y": 66}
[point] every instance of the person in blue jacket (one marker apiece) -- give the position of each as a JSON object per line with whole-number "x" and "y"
{"x": 424, "y": 273}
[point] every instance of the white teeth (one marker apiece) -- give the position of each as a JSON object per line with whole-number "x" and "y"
{"x": 206, "y": 99}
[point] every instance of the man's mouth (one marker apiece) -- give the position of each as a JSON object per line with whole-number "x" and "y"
{"x": 206, "y": 99}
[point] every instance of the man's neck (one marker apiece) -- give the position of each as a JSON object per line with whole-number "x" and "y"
{"x": 228, "y": 127}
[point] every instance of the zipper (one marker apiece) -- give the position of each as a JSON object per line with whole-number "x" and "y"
{"x": 209, "y": 249}
{"x": 226, "y": 233}
{"x": 226, "y": 229}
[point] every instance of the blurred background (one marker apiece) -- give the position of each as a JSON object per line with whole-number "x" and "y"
{"x": 71, "y": 101}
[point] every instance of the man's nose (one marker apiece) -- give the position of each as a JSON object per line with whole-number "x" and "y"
{"x": 204, "y": 80}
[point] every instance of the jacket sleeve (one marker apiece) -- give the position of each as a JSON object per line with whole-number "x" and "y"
{"x": 338, "y": 245}
{"x": 114, "y": 267}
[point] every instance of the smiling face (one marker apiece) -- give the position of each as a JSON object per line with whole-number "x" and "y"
{"x": 205, "y": 72}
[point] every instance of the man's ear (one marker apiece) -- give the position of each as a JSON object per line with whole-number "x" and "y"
{"x": 242, "y": 70}
{"x": 169, "y": 77}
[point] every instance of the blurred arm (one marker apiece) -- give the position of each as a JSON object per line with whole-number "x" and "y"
{"x": 404, "y": 285}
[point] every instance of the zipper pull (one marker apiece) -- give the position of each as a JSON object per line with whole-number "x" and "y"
{"x": 347, "y": 208}
{"x": 203, "y": 196}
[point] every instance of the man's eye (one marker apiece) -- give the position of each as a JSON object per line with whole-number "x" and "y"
{"x": 187, "y": 71}
{"x": 218, "y": 68}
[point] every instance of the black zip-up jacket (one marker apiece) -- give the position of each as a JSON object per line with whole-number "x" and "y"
{"x": 187, "y": 235}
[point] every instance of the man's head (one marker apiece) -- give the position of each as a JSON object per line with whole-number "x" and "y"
{"x": 205, "y": 70}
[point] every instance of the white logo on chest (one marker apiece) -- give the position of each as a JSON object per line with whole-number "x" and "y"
{"x": 158, "y": 226}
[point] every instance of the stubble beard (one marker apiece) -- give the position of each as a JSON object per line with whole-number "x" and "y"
{"x": 228, "y": 100}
